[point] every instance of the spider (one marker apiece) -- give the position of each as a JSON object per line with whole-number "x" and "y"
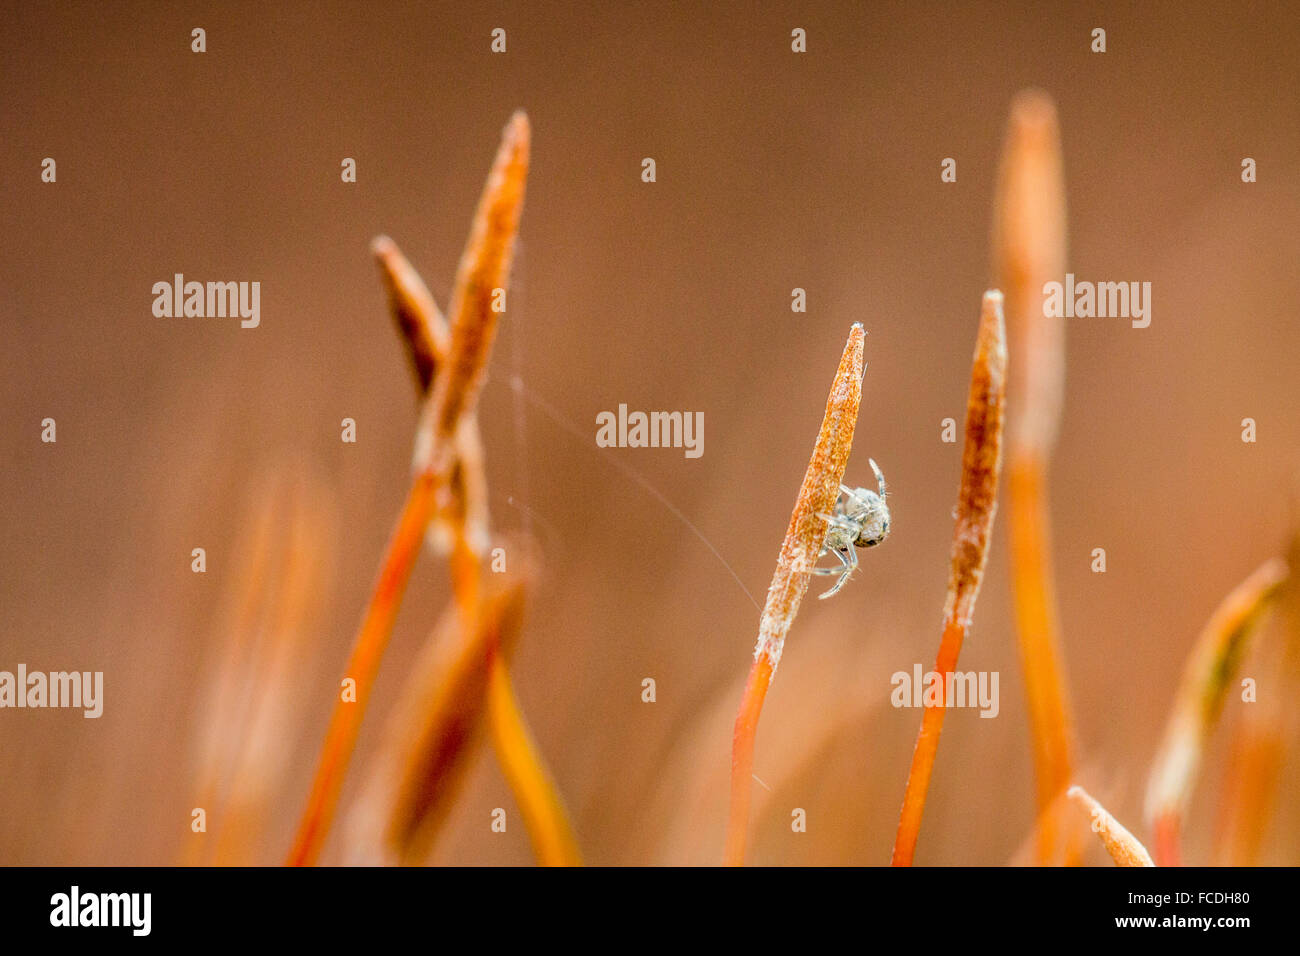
{"x": 861, "y": 519}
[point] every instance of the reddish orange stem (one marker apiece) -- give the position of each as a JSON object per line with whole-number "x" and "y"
{"x": 742, "y": 757}
{"x": 927, "y": 746}
{"x": 372, "y": 639}
{"x": 1167, "y": 840}
{"x": 543, "y": 810}
{"x": 976, "y": 506}
{"x": 1051, "y": 727}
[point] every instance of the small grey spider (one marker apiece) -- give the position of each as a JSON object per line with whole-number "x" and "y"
{"x": 861, "y": 520}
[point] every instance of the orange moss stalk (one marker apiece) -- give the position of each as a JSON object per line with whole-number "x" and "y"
{"x": 484, "y": 271}
{"x": 428, "y": 341}
{"x": 223, "y": 732}
{"x": 430, "y": 735}
{"x": 1208, "y": 674}
{"x": 1249, "y": 782}
{"x": 284, "y": 559}
{"x": 1124, "y": 848}
{"x": 272, "y": 725}
{"x": 460, "y": 530}
{"x": 1029, "y": 248}
{"x": 363, "y": 665}
{"x": 423, "y": 326}
{"x": 1028, "y": 251}
{"x": 481, "y": 280}
{"x": 545, "y": 815}
{"x": 976, "y": 505}
{"x": 798, "y": 556}
{"x": 1263, "y": 737}
{"x": 539, "y": 800}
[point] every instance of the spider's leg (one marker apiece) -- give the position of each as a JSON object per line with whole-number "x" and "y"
{"x": 880, "y": 479}
{"x": 838, "y": 584}
{"x": 846, "y": 563}
{"x": 849, "y": 562}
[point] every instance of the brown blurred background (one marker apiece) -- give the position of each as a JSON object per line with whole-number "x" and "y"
{"x": 775, "y": 170}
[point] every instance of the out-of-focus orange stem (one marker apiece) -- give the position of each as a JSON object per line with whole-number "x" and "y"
{"x": 539, "y": 801}
{"x": 1029, "y": 250}
{"x": 540, "y": 804}
{"x": 927, "y": 745}
{"x": 1167, "y": 840}
{"x": 742, "y": 758}
{"x": 372, "y": 639}
{"x": 1249, "y": 785}
{"x": 1040, "y": 652}
{"x": 1207, "y": 676}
